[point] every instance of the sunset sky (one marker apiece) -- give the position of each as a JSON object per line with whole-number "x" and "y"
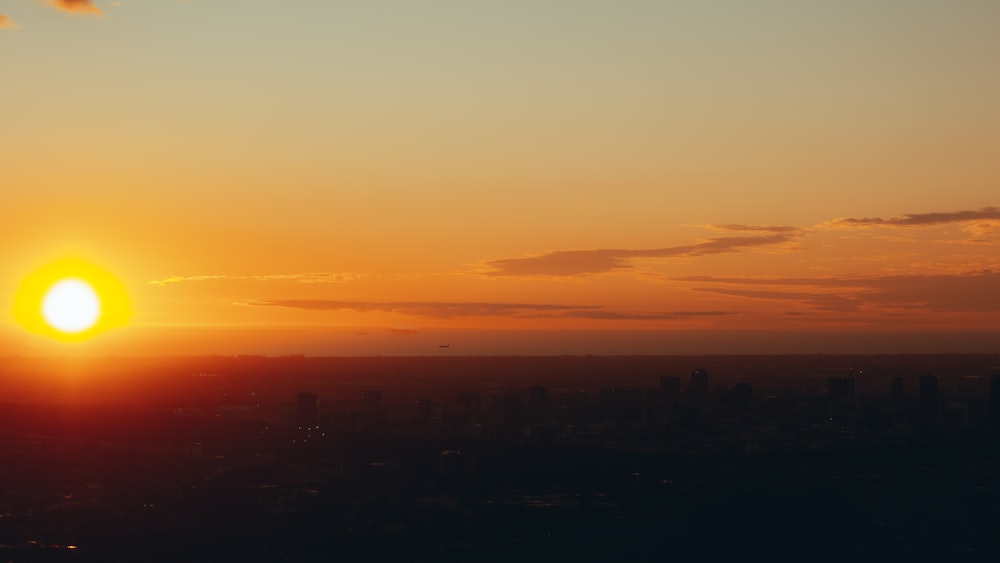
{"x": 543, "y": 176}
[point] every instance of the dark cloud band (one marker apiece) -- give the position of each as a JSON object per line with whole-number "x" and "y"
{"x": 583, "y": 262}
{"x": 970, "y": 292}
{"x": 922, "y": 219}
{"x": 435, "y": 309}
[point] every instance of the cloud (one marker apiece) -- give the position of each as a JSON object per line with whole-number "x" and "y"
{"x": 7, "y": 23}
{"x": 969, "y": 292}
{"x": 985, "y": 231}
{"x": 77, "y": 6}
{"x": 561, "y": 263}
{"x": 443, "y": 310}
{"x": 756, "y": 228}
{"x": 823, "y": 301}
{"x": 920, "y": 219}
{"x": 584, "y": 262}
{"x": 314, "y": 277}
{"x": 656, "y": 316}
{"x": 436, "y": 309}
{"x": 849, "y": 282}
{"x": 983, "y": 224}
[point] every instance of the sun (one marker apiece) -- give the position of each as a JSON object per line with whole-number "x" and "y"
{"x": 71, "y": 301}
{"x": 71, "y": 305}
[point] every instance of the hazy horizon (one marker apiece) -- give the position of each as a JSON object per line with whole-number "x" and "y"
{"x": 382, "y": 341}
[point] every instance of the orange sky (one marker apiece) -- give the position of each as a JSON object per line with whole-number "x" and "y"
{"x": 379, "y": 177}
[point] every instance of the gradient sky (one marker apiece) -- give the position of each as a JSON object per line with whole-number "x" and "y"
{"x": 276, "y": 176}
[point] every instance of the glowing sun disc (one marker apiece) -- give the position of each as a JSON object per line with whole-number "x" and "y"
{"x": 71, "y": 300}
{"x": 71, "y": 305}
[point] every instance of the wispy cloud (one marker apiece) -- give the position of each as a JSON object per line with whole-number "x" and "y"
{"x": 584, "y": 262}
{"x": 845, "y": 281}
{"x": 437, "y": 309}
{"x": 971, "y": 292}
{"x": 443, "y": 310}
{"x": 920, "y": 219}
{"x": 983, "y": 224}
{"x": 314, "y": 277}
{"x": 77, "y": 6}
{"x": 815, "y": 300}
{"x": 655, "y": 316}
{"x": 986, "y": 231}
{"x": 755, "y": 228}
{"x": 968, "y": 292}
{"x": 7, "y": 23}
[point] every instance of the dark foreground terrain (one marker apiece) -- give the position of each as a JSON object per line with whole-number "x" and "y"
{"x": 499, "y": 459}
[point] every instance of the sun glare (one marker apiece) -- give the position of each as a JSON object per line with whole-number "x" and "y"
{"x": 71, "y": 301}
{"x": 71, "y": 306}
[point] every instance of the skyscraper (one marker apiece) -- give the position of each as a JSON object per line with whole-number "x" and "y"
{"x": 538, "y": 403}
{"x": 897, "y": 389}
{"x": 995, "y": 398}
{"x": 928, "y": 402}
{"x": 699, "y": 384}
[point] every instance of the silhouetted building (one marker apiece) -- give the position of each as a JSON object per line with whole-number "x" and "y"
{"x": 928, "y": 402}
{"x": 840, "y": 388}
{"x": 995, "y": 398}
{"x": 287, "y": 415}
{"x": 699, "y": 384}
{"x": 454, "y": 466}
{"x": 611, "y": 400}
{"x": 538, "y": 403}
{"x": 425, "y": 408}
{"x": 692, "y": 417}
{"x": 469, "y": 401}
{"x": 896, "y": 389}
{"x": 895, "y": 414}
{"x": 194, "y": 450}
{"x": 509, "y": 408}
{"x": 622, "y": 404}
{"x": 306, "y": 409}
{"x": 928, "y": 393}
{"x": 670, "y": 388}
{"x": 741, "y": 395}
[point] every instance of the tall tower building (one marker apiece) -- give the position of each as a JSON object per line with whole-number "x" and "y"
{"x": 699, "y": 384}
{"x": 897, "y": 389}
{"x": 538, "y": 403}
{"x": 928, "y": 402}
{"x": 995, "y": 398}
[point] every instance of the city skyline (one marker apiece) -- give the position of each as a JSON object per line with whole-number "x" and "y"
{"x": 555, "y": 177}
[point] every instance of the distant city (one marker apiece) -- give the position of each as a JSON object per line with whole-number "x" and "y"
{"x": 255, "y": 458}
